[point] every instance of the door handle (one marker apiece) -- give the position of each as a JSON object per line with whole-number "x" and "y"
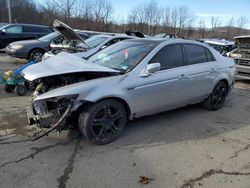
{"x": 212, "y": 70}
{"x": 183, "y": 76}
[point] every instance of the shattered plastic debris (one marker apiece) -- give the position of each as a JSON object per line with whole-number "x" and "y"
{"x": 144, "y": 179}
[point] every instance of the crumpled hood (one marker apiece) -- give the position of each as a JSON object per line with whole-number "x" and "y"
{"x": 62, "y": 63}
{"x": 243, "y": 41}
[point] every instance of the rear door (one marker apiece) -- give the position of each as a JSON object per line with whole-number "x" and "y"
{"x": 31, "y": 32}
{"x": 165, "y": 89}
{"x": 201, "y": 71}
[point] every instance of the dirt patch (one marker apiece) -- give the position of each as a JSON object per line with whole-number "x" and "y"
{"x": 17, "y": 122}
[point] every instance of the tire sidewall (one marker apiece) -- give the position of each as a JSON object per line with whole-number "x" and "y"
{"x": 221, "y": 83}
{"x": 20, "y": 90}
{"x": 86, "y": 118}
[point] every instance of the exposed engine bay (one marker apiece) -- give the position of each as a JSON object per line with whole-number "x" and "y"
{"x": 59, "y": 113}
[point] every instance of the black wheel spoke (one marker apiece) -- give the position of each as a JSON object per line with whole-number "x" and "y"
{"x": 106, "y": 110}
{"x": 116, "y": 116}
{"x": 98, "y": 123}
{"x": 105, "y": 122}
{"x": 102, "y": 133}
{"x": 113, "y": 129}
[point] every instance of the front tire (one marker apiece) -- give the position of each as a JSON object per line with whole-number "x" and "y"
{"x": 103, "y": 122}
{"x": 36, "y": 55}
{"x": 216, "y": 100}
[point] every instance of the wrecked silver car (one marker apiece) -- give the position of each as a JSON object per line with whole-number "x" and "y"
{"x": 130, "y": 79}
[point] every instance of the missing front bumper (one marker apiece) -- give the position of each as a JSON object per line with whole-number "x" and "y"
{"x": 49, "y": 121}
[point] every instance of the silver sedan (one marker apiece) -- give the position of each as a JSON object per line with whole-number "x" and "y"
{"x": 127, "y": 80}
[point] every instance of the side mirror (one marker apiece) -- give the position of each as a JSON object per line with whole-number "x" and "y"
{"x": 150, "y": 69}
{"x": 153, "y": 67}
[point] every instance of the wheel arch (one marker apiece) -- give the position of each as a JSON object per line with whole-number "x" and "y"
{"x": 86, "y": 104}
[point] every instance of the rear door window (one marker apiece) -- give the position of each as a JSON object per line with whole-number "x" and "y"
{"x": 210, "y": 57}
{"x": 195, "y": 54}
{"x": 170, "y": 56}
{"x": 30, "y": 29}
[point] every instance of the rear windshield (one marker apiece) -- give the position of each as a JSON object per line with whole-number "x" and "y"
{"x": 49, "y": 37}
{"x": 94, "y": 41}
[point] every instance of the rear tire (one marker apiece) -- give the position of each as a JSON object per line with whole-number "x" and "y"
{"x": 20, "y": 90}
{"x": 217, "y": 98}
{"x": 103, "y": 122}
{"x": 9, "y": 88}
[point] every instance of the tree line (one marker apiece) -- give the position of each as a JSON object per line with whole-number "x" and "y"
{"x": 148, "y": 17}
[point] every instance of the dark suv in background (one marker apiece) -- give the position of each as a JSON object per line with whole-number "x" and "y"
{"x": 15, "y": 32}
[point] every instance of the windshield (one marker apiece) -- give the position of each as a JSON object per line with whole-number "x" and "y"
{"x": 123, "y": 56}
{"x": 94, "y": 41}
{"x": 49, "y": 37}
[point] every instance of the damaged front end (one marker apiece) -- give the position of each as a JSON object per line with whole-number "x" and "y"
{"x": 59, "y": 82}
{"x": 52, "y": 114}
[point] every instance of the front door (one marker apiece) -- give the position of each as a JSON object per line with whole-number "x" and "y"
{"x": 166, "y": 88}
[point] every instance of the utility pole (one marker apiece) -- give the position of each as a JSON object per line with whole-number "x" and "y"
{"x": 9, "y": 10}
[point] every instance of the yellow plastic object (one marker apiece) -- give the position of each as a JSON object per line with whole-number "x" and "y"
{"x": 7, "y": 74}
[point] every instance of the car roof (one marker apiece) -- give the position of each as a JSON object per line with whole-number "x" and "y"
{"x": 147, "y": 40}
{"x": 243, "y": 36}
{"x": 158, "y": 41}
{"x": 35, "y": 25}
{"x": 114, "y": 36}
{"x": 221, "y": 42}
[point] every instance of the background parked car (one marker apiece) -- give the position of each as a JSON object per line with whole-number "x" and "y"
{"x": 85, "y": 47}
{"x": 242, "y": 57}
{"x": 34, "y": 49}
{"x": 16, "y": 32}
{"x": 166, "y": 35}
{"x": 221, "y": 45}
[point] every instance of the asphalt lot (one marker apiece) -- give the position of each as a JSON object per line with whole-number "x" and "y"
{"x": 187, "y": 147}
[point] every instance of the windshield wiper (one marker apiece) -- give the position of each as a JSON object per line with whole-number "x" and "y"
{"x": 122, "y": 71}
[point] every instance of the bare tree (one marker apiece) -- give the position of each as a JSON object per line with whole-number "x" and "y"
{"x": 202, "y": 28}
{"x": 186, "y": 18}
{"x": 102, "y": 12}
{"x": 107, "y": 12}
{"x": 174, "y": 17}
{"x": 167, "y": 19}
{"x": 66, "y": 7}
{"x": 214, "y": 22}
{"x": 242, "y": 21}
{"x": 152, "y": 11}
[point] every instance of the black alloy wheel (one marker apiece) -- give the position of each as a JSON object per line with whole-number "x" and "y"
{"x": 103, "y": 122}
{"x": 216, "y": 100}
